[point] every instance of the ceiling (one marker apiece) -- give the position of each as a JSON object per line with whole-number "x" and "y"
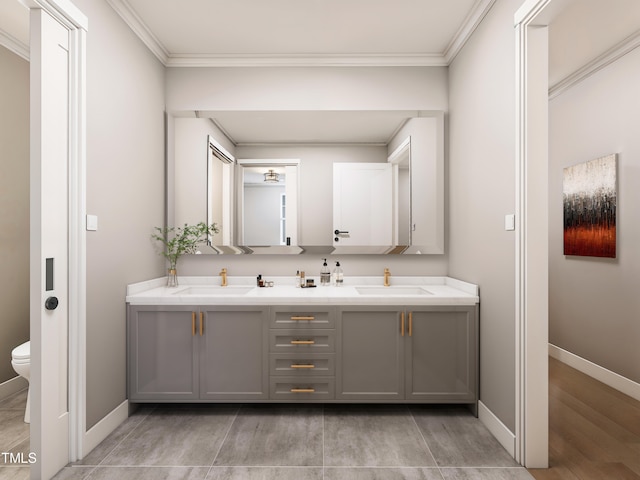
{"x": 191, "y": 31}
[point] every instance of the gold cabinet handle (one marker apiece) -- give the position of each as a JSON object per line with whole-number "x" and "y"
{"x": 299, "y": 318}
{"x": 303, "y": 390}
{"x": 410, "y": 323}
{"x": 302, "y": 342}
{"x": 402, "y": 323}
{"x": 201, "y": 323}
{"x": 193, "y": 323}
{"x": 303, "y": 365}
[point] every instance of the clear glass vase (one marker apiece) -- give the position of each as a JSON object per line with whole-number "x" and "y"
{"x": 172, "y": 278}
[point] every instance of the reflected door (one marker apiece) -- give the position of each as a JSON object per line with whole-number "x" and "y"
{"x": 362, "y": 204}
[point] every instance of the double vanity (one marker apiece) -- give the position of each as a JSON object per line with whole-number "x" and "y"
{"x": 415, "y": 341}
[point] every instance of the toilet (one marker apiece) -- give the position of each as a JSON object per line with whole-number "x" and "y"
{"x": 21, "y": 363}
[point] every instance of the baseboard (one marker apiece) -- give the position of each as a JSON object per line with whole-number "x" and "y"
{"x": 11, "y": 386}
{"x": 104, "y": 427}
{"x": 612, "y": 379}
{"x": 498, "y": 429}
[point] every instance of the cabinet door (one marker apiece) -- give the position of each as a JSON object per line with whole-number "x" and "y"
{"x": 370, "y": 354}
{"x": 233, "y": 354}
{"x": 440, "y": 359}
{"x": 162, "y": 359}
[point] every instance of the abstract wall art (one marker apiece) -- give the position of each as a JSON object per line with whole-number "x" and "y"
{"x": 590, "y": 203}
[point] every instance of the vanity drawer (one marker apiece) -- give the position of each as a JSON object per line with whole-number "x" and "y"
{"x": 300, "y": 364}
{"x": 302, "y": 317}
{"x": 302, "y": 341}
{"x": 292, "y": 389}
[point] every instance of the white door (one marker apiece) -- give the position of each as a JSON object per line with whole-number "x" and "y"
{"x": 362, "y": 204}
{"x": 49, "y": 244}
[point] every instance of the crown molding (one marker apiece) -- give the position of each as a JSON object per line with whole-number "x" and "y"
{"x": 136, "y": 24}
{"x": 14, "y": 45}
{"x": 607, "y": 58}
{"x": 308, "y": 60}
{"x": 469, "y": 25}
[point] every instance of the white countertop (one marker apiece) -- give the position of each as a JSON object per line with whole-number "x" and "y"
{"x": 443, "y": 291}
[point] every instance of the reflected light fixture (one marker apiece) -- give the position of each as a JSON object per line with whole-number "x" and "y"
{"x": 271, "y": 177}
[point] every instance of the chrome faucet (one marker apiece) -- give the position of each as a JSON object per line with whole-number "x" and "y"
{"x": 387, "y": 277}
{"x": 223, "y": 274}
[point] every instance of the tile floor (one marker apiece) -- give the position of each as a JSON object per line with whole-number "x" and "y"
{"x": 287, "y": 442}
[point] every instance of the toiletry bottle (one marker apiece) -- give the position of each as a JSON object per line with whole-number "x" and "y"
{"x": 298, "y": 284}
{"x": 302, "y": 279}
{"x": 338, "y": 275}
{"x": 325, "y": 275}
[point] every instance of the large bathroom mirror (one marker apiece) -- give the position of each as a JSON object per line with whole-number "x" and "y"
{"x": 317, "y": 182}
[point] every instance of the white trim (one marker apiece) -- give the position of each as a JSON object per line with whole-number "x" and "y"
{"x": 77, "y": 242}
{"x": 531, "y": 265}
{"x": 471, "y": 22}
{"x": 607, "y": 58}
{"x": 309, "y": 60}
{"x": 499, "y": 430}
{"x": 135, "y": 23}
{"x": 14, "y": 45}
{"x": 62, "y": 10}
{"x": 612, "y": 379}
{"x": 400, "y": 151}
{"x": 11, "y": 386}
{"x": 101, "y": 430}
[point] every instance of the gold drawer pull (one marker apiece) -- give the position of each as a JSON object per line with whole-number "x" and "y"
{"x": 303, "y": 318}
{"x": 302, "y": 342}
{"x": 303, "y": 390}
{"x": 303, "y": 365}
{"x": 193, "y": 323}
{"x": 410, "y": 323}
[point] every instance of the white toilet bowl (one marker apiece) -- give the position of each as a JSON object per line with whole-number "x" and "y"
{"x": 21, "y": 363}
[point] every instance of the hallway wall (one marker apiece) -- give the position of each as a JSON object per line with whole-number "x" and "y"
{"x": 594, "y": 306}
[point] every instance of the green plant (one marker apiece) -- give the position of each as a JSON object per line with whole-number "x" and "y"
{"x": 180, "y": 240}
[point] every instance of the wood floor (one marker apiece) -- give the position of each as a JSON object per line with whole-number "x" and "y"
{"x": 594, "y": 430}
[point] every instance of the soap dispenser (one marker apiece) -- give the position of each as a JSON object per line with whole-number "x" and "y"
{"x": 338, "y": 275}
{"x": 325, "y": 275}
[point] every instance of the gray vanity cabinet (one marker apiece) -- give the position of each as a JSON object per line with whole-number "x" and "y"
{"x": 423, "y": 354}
{"x": 234, "y": 354}
{"x": 413, "y": 354}
{"x": 190, "y": 353}
{"x": 302, "y": 342}
{"x": 162, "y": 352}
{"x": 441, "y": 354}
{"x": 370, "y": 354}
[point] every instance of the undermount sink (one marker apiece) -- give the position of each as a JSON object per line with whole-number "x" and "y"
{"x": 398, "y": 290}
{"x": 214, "y": 290}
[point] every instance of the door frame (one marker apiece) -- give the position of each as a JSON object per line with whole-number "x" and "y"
{"x": 77, "y": 24}
{"x": 531, "y": 23}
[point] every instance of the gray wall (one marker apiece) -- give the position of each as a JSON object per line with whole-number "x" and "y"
{"x": 594, "y": 306}
{"x": 481, "y": 192}
{"x": 125, "y": 189}
{"x": 14, "y": 207}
